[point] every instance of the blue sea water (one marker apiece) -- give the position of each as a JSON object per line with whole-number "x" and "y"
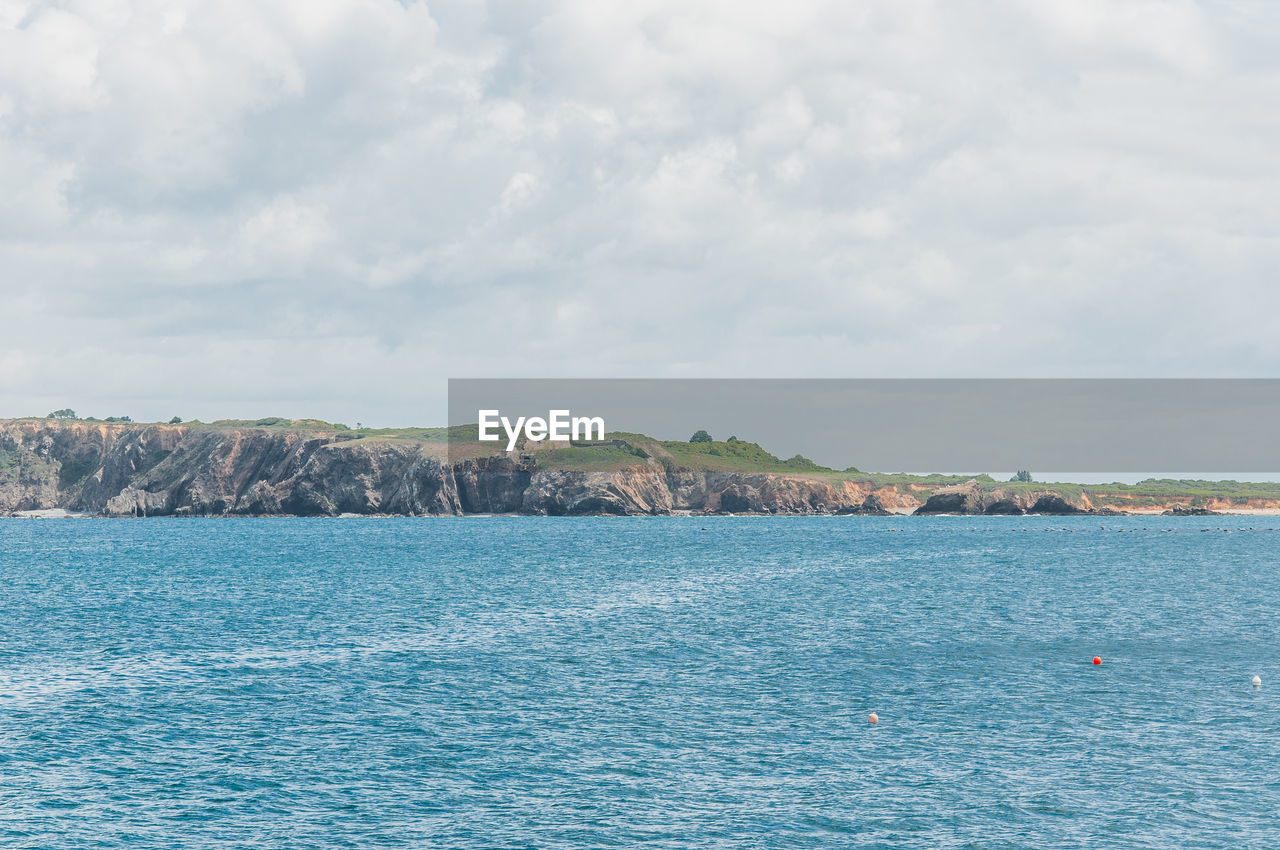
{"x": 664, "y": 682}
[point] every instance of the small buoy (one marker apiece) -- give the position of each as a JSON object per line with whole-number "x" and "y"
{"x": 873, "y": 718}
{"x": 1097, "y": 660}
{"x": 1257, "y": 681}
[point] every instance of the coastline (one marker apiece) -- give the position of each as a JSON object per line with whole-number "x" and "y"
{"x": 59, "y": 513}
{"x": 71, "y": 468}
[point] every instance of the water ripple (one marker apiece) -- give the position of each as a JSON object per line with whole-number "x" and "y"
{"x": 667, "y": 682}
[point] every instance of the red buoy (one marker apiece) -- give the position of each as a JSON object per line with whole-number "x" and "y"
{"x": 1097, "y": 660}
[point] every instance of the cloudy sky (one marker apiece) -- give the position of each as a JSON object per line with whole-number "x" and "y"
{"x": 328, "y": 207}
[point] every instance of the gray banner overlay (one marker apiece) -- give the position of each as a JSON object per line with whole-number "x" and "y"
{"x": 927, "y": 425}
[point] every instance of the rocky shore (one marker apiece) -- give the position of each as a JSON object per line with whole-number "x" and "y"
{"x": 123, "y": 469}
{"x": 176, "y": 470}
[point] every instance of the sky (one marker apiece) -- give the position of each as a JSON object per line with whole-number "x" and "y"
{"x": 326, "y": 208}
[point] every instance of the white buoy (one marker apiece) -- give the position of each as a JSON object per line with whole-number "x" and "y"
{"x": 873, "y": 718}
{"x": 1257, "y": 681}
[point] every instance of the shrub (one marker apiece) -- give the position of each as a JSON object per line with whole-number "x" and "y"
{"x": 800, "y": 462}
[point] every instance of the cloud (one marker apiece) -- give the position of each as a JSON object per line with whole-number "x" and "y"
{"x": 331, "y": 206}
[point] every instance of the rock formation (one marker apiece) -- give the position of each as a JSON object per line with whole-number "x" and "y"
{"x": 129, "y": 469}
{"x": 970, "y": 498}
{"x": 179, "y": 470}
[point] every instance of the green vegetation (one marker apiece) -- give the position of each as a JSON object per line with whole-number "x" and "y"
{"x": 731, "y": 456}
{"x": 1160, "y": 490}
{"x": 18, "y": 466}
{"x": 64, "y": 413}
{"x": 1022, "y": 475}
{"x": 700, "y": 437}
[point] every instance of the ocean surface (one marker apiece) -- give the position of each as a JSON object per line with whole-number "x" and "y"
{"x": 665, "y": 682}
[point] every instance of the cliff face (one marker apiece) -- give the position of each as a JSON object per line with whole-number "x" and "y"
{"x": 135, "y": 470}
{"x": 126, "y": 469}
{"x": 160, "y": 470}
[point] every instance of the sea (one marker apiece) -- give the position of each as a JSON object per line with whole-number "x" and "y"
{"x": 676, "y": 682}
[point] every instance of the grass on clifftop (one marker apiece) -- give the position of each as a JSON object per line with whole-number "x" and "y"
{"x": 620, "y": 450}
{"x": 735, "y": 455}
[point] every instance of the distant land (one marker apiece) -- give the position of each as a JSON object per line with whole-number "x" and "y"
{"x": 62, "y": 465}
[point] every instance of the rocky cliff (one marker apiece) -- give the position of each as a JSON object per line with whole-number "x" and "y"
{"x": 127, "y": 469}
{"x": 123, "y": 469}
{"x": 137, "y": 470}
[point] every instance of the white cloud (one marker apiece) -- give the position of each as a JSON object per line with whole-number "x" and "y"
{"x": 333, "y": 205}
{"x": 283, "y": 238}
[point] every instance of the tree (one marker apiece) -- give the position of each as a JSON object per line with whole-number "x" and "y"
{"x": 177, "y": 420}
{"x": 1023, "y": 476}
{"x": 700, "y": 436}
{"x": 64, "y": 413}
